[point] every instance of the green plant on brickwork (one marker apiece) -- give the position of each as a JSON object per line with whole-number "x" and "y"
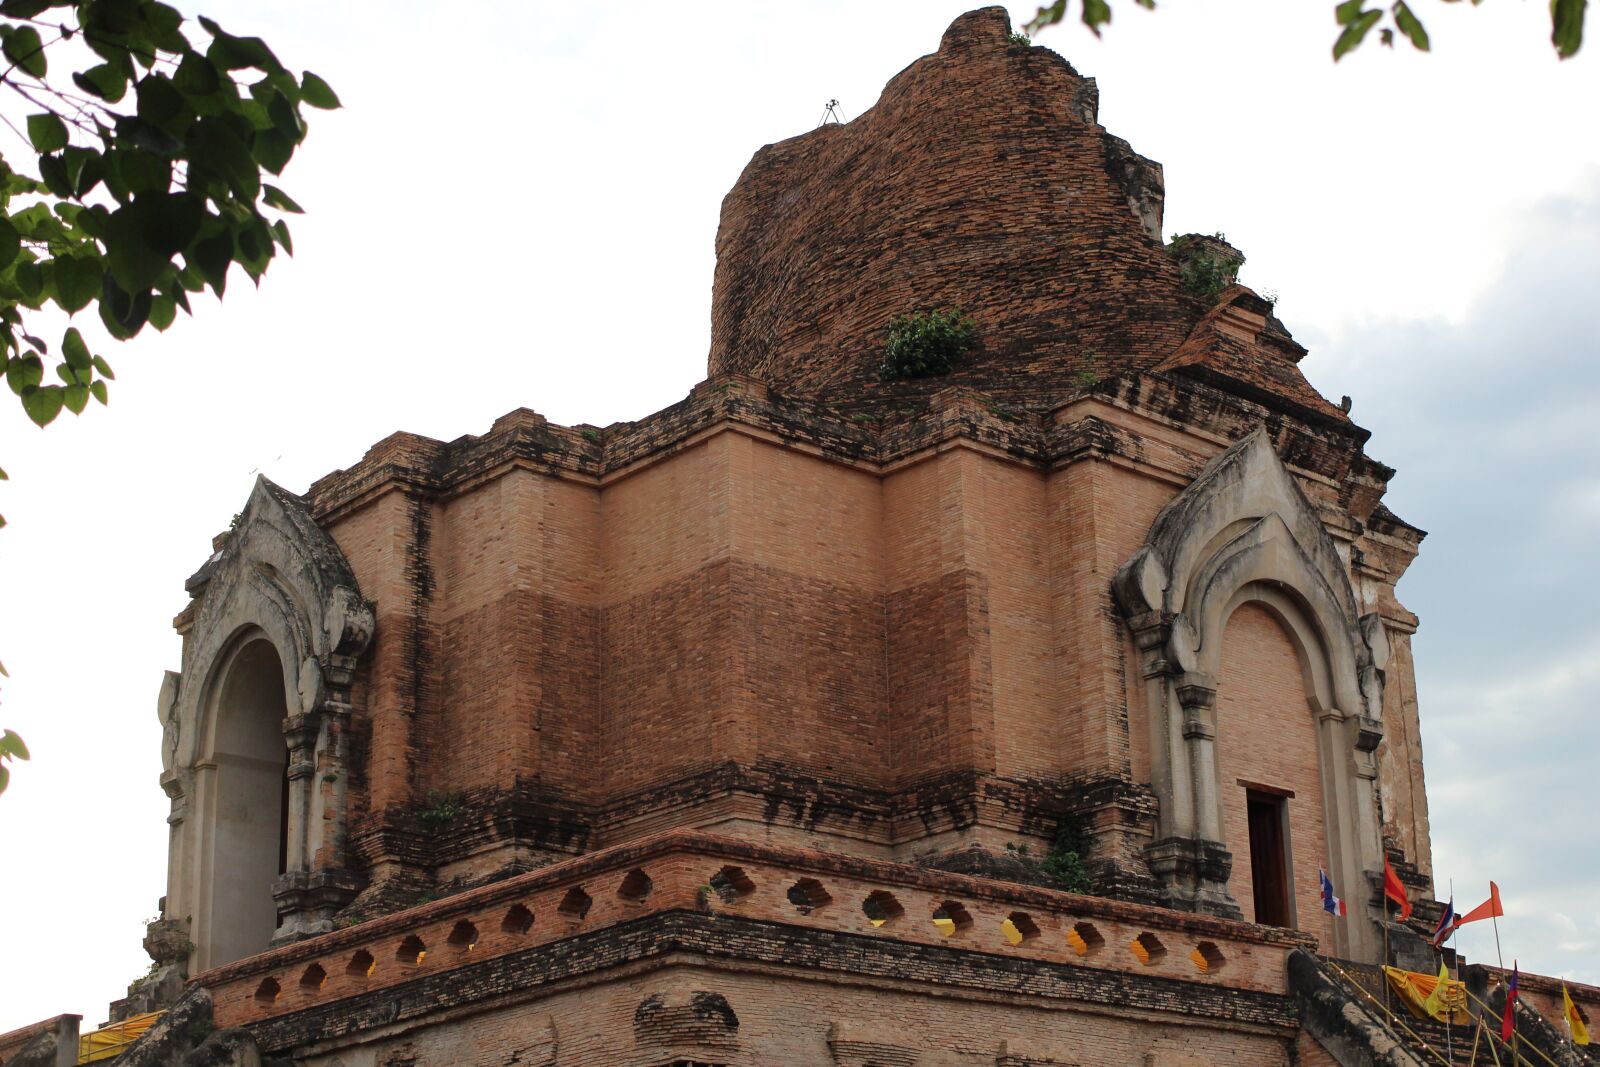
{"x": 925, "y": 344}
{"x": 1205, "y": 273}
{"x": 1086, "y": 377}
{"x": 1064, "y": 861}
{"x": 1020, "y": 40}
{"x": 442, "y": 810}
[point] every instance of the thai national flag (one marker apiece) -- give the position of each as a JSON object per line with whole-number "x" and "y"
{"x": 1447, "y": 924}
{"x": 1508, "y": 1021}
{"x": 1330, "y": 903}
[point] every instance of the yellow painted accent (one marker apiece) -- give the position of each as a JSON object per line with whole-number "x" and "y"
{"x": 1200, "y": 961}
{"x": 1139, "y": 950}
{"x": 1013, "y": 935}
{"x": 1077, "y": 943}
{"x": 947, "y": 927}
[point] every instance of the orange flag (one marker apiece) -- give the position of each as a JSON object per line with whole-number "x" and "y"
{"x": 1395, "y": 891}
{"x": 1488, "y": 909}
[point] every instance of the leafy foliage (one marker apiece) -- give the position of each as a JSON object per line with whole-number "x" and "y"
{"x": 11, "y": 747}
{"x": 1205, "y": 272}
{"x": 926, "y": 343}
{"x": 141, "y": 182}
{"x": 145, "y": 178}
{"x": 442, "y": 810}
{"x": 1356, "y": 22}
{"x": 1064, "y": 861}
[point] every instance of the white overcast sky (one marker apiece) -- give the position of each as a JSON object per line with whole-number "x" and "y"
{"x": 517, "y": 207}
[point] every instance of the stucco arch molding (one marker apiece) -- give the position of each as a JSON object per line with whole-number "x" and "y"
{"x": 279, "y": 574}
{"x": 1244, "y": 520}
{"x": 1244, "y": 531}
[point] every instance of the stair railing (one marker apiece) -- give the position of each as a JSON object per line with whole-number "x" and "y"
{"x": 1388, "y": 1019}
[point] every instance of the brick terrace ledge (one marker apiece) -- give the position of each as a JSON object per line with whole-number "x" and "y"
{"x": 690, "y": 871}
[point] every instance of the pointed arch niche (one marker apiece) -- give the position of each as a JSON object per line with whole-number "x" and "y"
{"x": 255, "y": 736}
{"x": 1242, "y": 534}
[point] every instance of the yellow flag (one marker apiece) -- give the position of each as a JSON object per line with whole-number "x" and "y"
{"x": 1435, "y": 1005}
{"x": 1580, "y": 1032}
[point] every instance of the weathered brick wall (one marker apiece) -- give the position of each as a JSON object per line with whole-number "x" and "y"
{"x": 737, "y": 1017}
{"x": 980, "y": 179}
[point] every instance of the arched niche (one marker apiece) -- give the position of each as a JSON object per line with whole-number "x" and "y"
{"x": 1242, "y": 532}
{"x": 243, "y": 771}
{"x": 271, "y": 646}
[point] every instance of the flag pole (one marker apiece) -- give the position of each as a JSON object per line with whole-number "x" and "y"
{"x": 1444, "y": 998}
{"x": 1385, "y": 951}
{"x": 1510, "y": 1007}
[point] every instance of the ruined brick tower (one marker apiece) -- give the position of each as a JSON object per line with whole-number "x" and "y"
{"x": 1004, "y": 716}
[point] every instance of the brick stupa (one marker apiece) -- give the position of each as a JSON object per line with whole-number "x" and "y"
{"x": 999, "y": 717}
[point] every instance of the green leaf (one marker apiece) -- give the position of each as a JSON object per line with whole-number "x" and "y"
{"x": 30, "y": 281}
{"x": 197, "y": 76}
{"x": 5, "y": 777}
{"x": 53, "y": 169}
{"x": 1410, "y": 26}
{"x": 10, "y": 243}
{"x": 159, "y": 101}
{"x": 211, "y": 256}
{"x": 122, "y": 313}
{"x": 1566, "y": 26}
{"x": 25, "y": 9}
{"x": 43, "y": 404}
{"x": 77, "y": 281}
{"x": 1096, "y": 13}
{"x": 23, "y": 47}
{"x": 1048, "y": 15}
{"x": 103, "y": 368}
{"x": 1355, "y": 32}
{"x": 1347, "y": 12}
{"x": 272, "y": 150}
{"x": 24, "y": 373}
{"x": 285, "y": 119}
{"x": 142, "y": 237}
{"x": 75, "y": 398}
{"x": 75, "y": 351}
{"x": 47, "y": 132}
{"x": 272, "y": 196}
{"x": 281, "y": 230}
{"x": 139, "y": 171}
{"x": 12, "y": 744}
{"x": 163, "y": 309}
{"x": 317, "y": 93}
{"x": 215, "y": 146}
{"x": 97, "y": 389}
{"x": 105, "y": 81}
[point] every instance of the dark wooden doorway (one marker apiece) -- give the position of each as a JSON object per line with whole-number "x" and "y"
{"x": 1269, "y": 856}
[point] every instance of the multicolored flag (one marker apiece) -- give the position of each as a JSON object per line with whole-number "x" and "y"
{"x": 1330, "y": 903}
{"x": 1487, "y": 910}
{"x": 1447, "y": 924}
{"x": 1508, "y": 1022}
{"x": 1395, "y": 891}
{"x": 1580, "y": 1032}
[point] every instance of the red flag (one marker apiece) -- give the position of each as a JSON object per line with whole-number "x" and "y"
{"x": 1395, "y": 891}
{"x": 1508, "y": 1022}
{"x": 1488, "y": 909}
